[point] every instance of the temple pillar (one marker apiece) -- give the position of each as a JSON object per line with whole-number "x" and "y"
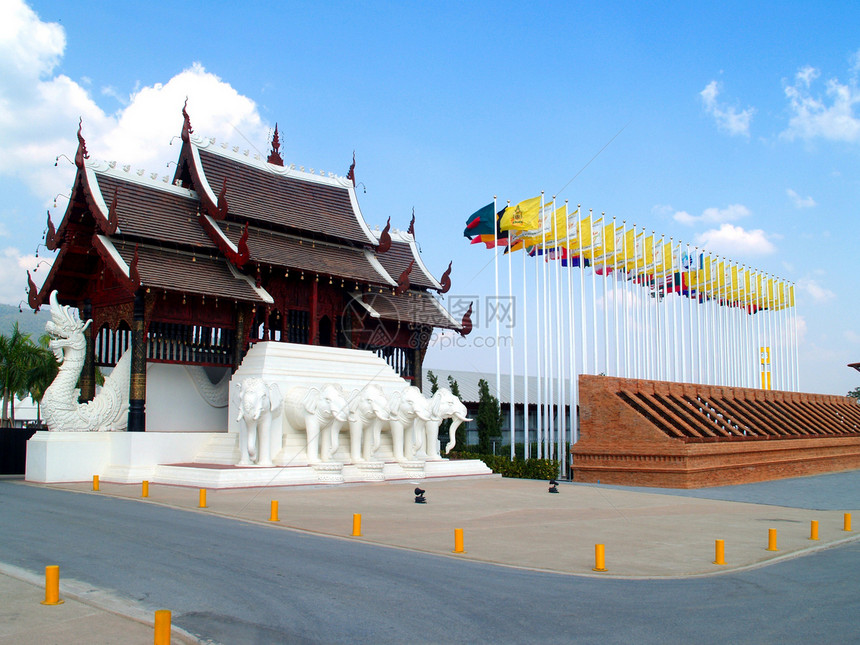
{"x": 137, "y": 391}
{"x": 313, "y": 332}
{"x": 87, "y": 380}
{"x": 239, "y": 341}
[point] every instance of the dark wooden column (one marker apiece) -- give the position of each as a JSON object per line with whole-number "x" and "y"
{"x": 314, "y": 329}
{"x": 87, "y": 379}
{"x": 137, "y": 394}
{"x": 239, "y": 341}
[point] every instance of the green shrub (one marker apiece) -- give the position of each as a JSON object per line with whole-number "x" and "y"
{"x": 518, "y": 468}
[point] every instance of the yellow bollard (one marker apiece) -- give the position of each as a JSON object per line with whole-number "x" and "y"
{"x": 599, "y": 558}
{"x": 52, "y": 586}
{"x": 95, "y": 482}
{"x": 719, "y": 552}
{"x": 273, "y": 514}
{"x": 356, "y": 524}
{"x": 846, "y": 522}
{"x": 162, "y": 627}
{"x": 144, "y": 488}
{"x": 203, "y": 498}
{"x": 771, "y": 540}
{"x": 813, "y": 530}
{"x": 458, "y": 541}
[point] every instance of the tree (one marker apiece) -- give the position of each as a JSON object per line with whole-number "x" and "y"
{"x": 462, "y": 433}
{"x": 855, "y": 394}
{"x": 434, "y": 382}
{"x": 41, "y": 374}
{"x": 489, "y": 417}
{"x": 16, "y": 356}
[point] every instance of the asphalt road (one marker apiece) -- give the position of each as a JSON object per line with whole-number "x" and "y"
{"x": 234, "y": 582}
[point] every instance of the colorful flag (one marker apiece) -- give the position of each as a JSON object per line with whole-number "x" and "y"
{"x": 480, "y": 222}
{"x": 522, "y": 217}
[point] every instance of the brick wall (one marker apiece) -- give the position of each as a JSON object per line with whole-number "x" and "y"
{"x": 681, "y": 435}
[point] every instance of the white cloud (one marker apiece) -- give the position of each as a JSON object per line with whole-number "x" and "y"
{"x": 800, "y": 202}
{"x": 728, "y": 118}
{"x": 736, "y": 241}
{"x": 802, "y": 328}
{"x": 730, "y": 213}
{"x": 852, "y": 336}
{"x": 832, "y": 116}
{"x": 13, "y": 274}
{"x": 39, "y": 111}
{"x": 818, "y": 293}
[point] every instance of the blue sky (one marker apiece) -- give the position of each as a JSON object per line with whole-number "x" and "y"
{"x": 741, "y": 122}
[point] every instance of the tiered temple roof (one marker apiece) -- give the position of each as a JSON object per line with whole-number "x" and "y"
{"x": 227, "y": 226}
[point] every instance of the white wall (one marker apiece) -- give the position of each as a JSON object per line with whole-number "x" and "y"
{"x": 174, "y": 403}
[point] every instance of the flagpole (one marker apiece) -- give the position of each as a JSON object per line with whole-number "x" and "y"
{"x": 605, "y": 304}
{"x": 574, "y": 372}
{"x": 548, "y": 338}
{"x": 583, "y": 335}
{"x": 560, "y": 421}
{"x": 539, "y": 350}
{"x": 796, "y": 340}
{"x": 690, "y": 308}
{"x": 625, "y": 288}
{"x": 547, "y": 329}
{"x": 496, "y": 312}
{"x": 526, "y": 445}
{"x": 512, "y": 405}
{"x": 615, "y": 293}
{"x": 593, "y": 299}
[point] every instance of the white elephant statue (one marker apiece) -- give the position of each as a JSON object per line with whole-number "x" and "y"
{"x": 368, "y": 411}
{"x": 408, "y": 410}
{"x": 320, "y": 412}
{"x": 443, "y": 405}
{"x": 260, "y": 430}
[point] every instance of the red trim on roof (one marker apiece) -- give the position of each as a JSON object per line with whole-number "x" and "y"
{"x": 127, "y": 281}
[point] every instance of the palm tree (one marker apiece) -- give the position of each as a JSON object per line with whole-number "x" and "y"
{"x": 16, "y": 352}
{"x": 43, "y": 370}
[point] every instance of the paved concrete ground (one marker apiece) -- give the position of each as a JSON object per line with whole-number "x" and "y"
{"x": 510, "y": 522}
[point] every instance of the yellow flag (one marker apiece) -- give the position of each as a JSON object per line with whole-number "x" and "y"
{"x": 522, "y": 217}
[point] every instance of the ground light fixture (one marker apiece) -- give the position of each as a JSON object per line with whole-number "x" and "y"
{"x": 419, "y": 496}
{"x": 553, "y": 486}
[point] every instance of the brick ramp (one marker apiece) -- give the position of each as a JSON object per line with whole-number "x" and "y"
{"x": 681, "y": 435}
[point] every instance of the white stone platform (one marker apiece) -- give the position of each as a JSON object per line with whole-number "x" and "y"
{"x": 202, "y": 460}
{"x": 290, "y": 364}
{"x": 206, "y": 459}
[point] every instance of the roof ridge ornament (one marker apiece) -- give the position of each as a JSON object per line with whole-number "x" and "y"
{"x": 133, "y": 273}
{"x": 384, "y": 238}
{"x": 351, "y": 174}
{"x": 51, "y": 235}
{"x": 275, "y": 156}
{"x": 222, "y": 201}
{"x": 81, "y": 153}
{"x": 113, "y": 221}
{"x": 187, "y": 130}
{"x": 446, "y": 279}
{"x": 244, "y": 253}
{"x": 411, "y": 229}
{"x": 33, "y": 294}
{"x": 403, "y": 282}
{"x": 466, "y": 323}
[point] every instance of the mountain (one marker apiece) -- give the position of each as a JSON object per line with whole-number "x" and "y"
{"x": 27, "y": 322}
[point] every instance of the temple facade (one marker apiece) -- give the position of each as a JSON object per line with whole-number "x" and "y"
{"x": 233, "y": 249}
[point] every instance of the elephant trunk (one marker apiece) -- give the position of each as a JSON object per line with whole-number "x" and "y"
{"x": 452, "y": 432}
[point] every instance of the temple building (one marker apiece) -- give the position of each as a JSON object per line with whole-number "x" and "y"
{"x": 233, "y": 249}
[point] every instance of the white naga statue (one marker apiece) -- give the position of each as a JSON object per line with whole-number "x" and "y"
{"x": 108, "y": 411}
